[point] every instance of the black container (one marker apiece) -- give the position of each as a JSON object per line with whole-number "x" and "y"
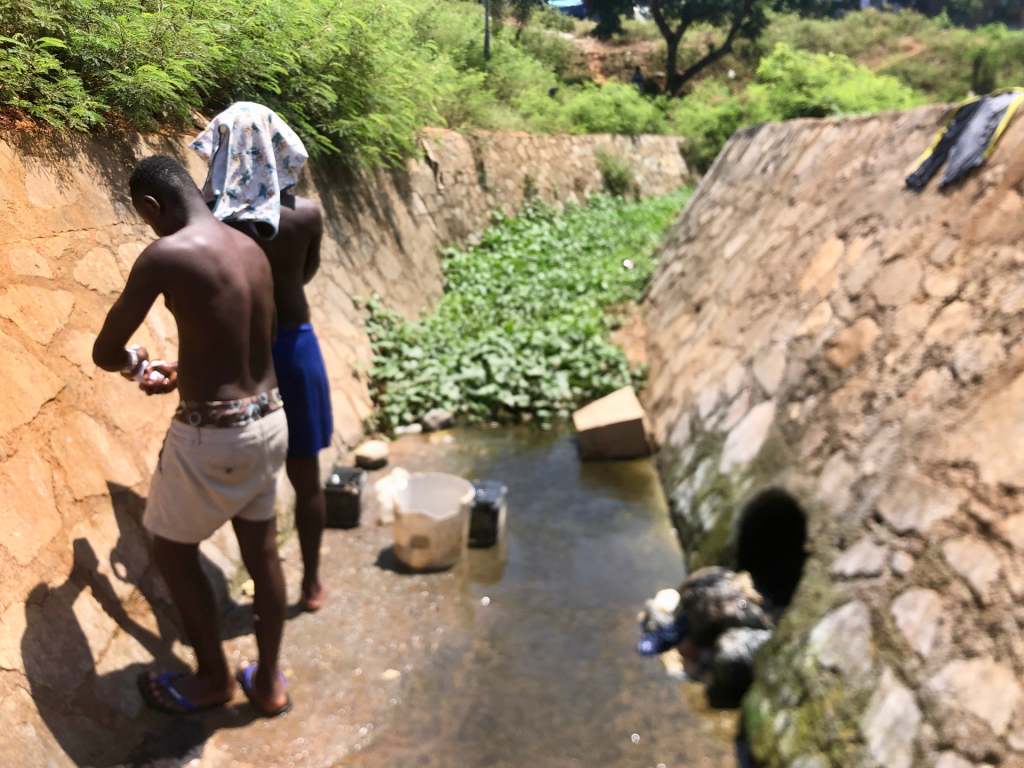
{"x": 487, "y": 525}
{"x": 344, "y": 495}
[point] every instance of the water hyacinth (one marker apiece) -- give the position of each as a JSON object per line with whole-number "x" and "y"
{"x": 522, "y": 331}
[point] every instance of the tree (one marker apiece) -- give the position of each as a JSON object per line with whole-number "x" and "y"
{"x": 607, "y": 13}
{"x": 741, "y": 18}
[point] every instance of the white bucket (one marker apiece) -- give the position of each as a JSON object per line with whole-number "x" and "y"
{"x": 432, "y": 514}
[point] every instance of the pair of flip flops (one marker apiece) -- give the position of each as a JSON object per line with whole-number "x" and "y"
{"x": 165, "y": 683}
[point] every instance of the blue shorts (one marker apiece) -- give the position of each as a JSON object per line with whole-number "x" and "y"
{"x": 302, "y": 379}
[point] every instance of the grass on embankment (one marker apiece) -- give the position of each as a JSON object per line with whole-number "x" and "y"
{"x": 522, "y": 331}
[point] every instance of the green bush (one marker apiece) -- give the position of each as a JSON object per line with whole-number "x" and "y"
{"x": 800, "y": 84}
{"x": 522, "y": 329}
{"x": 612, "y": 108}
{"x": 789, "y": 84}
{"x": 552, "y": 18}
{"x": 617, "y": 172}
{"x": 341, "y": 74}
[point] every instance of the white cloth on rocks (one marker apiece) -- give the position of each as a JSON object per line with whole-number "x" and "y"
{"x": 253, "y": 156}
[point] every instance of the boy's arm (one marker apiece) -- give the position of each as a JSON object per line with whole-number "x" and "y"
{"x": 312, "y": 263}
{"x": 128, "y": 312}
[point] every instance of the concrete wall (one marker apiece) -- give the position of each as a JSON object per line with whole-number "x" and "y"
{"x": 815, "y": 327}
{"x": 79, "y": 602}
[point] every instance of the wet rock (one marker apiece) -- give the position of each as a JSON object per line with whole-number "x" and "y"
{"x": 890, "y": 724}
{"x": 918, "y": 614}
{"x": 409, "y": 429}
{"x": 842, "y": 641}
{"x": 717, "y": 599}
{"x": 863, "y": 559}
{"x": 373, "y": 454}
{"x": 984, "y": 687}
{"x": 614, "y": 427}
{"x": 437, "y": 419}
{"x": 733, "y": 667}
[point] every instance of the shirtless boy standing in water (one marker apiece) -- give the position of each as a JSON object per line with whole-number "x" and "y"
{"x": 289, "y": 230}
{"x": 226, "y": 443}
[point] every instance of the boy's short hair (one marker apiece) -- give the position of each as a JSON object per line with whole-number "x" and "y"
{"x": 163, "y": 178}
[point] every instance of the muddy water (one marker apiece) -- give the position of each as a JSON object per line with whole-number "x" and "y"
{"x": 522, "y": 655}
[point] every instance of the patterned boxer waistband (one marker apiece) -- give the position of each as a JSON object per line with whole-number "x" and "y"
{"x": 225, "y": 414}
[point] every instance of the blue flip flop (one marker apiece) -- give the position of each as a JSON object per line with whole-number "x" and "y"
{"x": 244, "y": 678}
{"x": 164, "y": 682}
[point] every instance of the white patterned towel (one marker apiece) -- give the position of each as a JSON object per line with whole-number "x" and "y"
{"x": 254, "y": 157}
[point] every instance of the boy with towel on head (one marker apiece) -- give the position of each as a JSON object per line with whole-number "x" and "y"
{"x": 227, "y": 441}
{"x": 254, "y": 159}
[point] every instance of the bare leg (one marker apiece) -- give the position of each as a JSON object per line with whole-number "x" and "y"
{"x": 197, "y": 606}
{"x": 310, "y": 516}
{"x": 258, "y": 543}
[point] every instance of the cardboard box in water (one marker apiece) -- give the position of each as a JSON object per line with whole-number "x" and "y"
{"x": 614, "y": 427}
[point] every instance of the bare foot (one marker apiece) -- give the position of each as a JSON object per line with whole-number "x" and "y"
{"x": 269, "y": 696}
{"x": 313, "y": 597}
{"x": 192, "y": 691}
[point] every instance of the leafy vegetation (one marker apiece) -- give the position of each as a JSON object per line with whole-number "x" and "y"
{"x": 522, "y": 330}
{"x": 789, "y": 84}
{"x": 617, "y": 172}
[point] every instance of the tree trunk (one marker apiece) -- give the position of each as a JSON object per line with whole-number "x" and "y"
{"x": 671, "y": 66}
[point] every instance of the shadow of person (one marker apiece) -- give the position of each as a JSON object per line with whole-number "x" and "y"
{"x": 87, "y": 641}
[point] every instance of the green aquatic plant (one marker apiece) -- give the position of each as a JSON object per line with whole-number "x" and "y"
{"x": 522, "y": 331}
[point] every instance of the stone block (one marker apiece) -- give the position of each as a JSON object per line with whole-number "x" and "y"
{"x": 769, "y": 366}
{"x": 898, "y": 282}
{"x": 614, "y": 427}
{"x": 864, "y": 559}
{"x": 890, "y": 724}
{"x": 816, "y": 320}
{"x": 916, "y": 504}
{"x": 28, "y": 513}
{"x": 842, "y": 641}
{"x": 954, "y": 322}
{"x": 976, "y": 562}
{"x": 822, "y": 264}
{"x": 919, "y": 615}
{"x": 953, "y": 760}
{"x": 746, "y": 439}
{"x": 373, "y": 454}
{"x": 983, "y": 687}
{"x": 849, "y": 345}
{"x": 38, "y": 312}
{"x": 991, "y": 438}
{"x": 29, "y": 263}
{"x": 90, "y": 457}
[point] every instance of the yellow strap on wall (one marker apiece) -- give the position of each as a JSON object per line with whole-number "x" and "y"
{"x": 1010, "y": 110}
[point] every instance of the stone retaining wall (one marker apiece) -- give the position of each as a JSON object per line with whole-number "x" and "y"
{"x": 78, "y": 598}
{"x": 815, "y": 327}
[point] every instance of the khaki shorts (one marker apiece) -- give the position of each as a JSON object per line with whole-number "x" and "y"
{"x": 209, "y": 475}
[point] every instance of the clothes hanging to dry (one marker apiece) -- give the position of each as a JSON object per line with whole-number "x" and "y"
{"x": 968, "y": 138}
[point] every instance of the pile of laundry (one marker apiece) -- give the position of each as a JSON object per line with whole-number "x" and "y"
{"x": 718, "y": 622}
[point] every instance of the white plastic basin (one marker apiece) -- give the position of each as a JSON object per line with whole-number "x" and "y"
{"x": 432, "y": 514}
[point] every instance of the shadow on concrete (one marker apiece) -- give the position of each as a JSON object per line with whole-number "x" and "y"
{"x": 85, "y": 684}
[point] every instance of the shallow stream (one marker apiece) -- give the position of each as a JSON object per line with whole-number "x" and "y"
{"x": 522, "y": 655}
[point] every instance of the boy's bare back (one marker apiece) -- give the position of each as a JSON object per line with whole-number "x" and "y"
{"x": 294, "y": 256}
